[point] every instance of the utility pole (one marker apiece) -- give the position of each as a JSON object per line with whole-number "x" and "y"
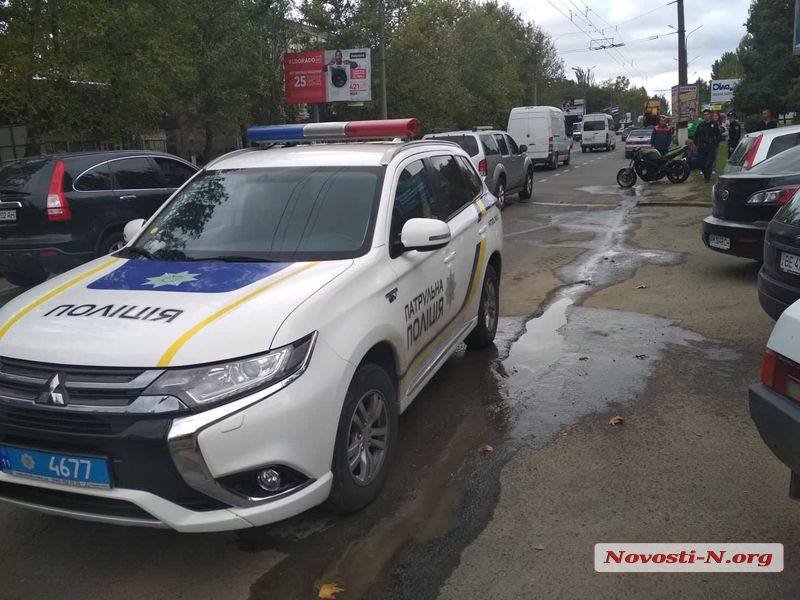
{"x": 382, "y": 58}
{"x": 683, "y": 66}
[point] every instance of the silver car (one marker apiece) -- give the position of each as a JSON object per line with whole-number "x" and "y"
{"x": 503, "y": 164}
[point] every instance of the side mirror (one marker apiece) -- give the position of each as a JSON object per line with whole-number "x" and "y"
{"x": 425, "y": 234}
{"x": 523, "y": 149}
{"x": 132, "y": 228}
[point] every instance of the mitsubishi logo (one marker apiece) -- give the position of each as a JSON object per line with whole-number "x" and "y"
{"x": 55, "y": 394}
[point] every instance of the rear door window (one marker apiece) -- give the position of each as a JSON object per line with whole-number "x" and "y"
{"x": 136, "y": 174}
{"x": 450, "y": 186}
{"x": 467, "y": 142}
{"x": 95, "y": 179}
{"x": 175, "y": 172}
{"x": 489, "y": 145}
{"x": 501, "y": 143}
{"x": 782, "y": 142}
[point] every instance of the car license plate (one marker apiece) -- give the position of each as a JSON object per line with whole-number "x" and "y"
{"x": 719, "y": 241}
{"x": 790, "y": 263}
{"x": 80, "y": 471}
{"x": 8, "y": 215}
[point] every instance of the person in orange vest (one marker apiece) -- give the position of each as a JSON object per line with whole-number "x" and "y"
{"x": 661, "y": 138}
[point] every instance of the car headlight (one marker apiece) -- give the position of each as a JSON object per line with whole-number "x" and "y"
{"x": 199, "y": 387}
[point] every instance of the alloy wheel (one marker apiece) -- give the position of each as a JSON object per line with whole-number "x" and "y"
{"x": 367, "y": 437}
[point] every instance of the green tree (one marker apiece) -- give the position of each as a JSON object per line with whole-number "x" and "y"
{"x": 726, "y": 66}
{"x": 769, "y": 70}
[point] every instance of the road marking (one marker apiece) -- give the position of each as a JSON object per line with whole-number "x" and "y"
{"x": 541, "y": 181}
{"x": 570, "y": 204}
{"x": 532, "y": 229}
{"x": 557, "y": 175}
{"x": 566, "y": 170}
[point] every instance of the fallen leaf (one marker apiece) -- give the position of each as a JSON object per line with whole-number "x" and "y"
{"x": 328, "y": 591}
{"x": 538, "y": 547}
{"x": 616, "y": 420}
{"x": 485, "y": 448}
{"x": 584, "y": 358}
{"x": 640, "y": 356}
{"x": 641, "y": 287}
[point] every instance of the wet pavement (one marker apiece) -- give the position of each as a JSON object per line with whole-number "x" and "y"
{"x": 507, "y": 470}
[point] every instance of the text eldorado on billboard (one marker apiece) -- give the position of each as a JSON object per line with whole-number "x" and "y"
{"x": 318, "y": 76}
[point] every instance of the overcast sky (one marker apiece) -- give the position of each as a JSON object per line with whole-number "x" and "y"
{"x": 648, "y": 63}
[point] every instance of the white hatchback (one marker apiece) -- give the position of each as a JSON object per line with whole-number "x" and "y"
{"x": 756, "y": 147}
{"x": 246, "y": 356}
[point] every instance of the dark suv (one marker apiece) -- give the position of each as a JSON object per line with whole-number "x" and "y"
{"x": 57, "y": 212}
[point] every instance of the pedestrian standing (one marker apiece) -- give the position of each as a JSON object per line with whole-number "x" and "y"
{"x": 767, "y": 120}
{"x": 706, "y": 138}
{"x": 734, "y": 132}
{"x": 661, "y": 137}
{"x": 694, "y": 122}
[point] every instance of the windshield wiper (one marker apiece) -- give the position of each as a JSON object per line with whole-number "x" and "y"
{"x": 230, "y": 258}
{"x": 140, "y": 252}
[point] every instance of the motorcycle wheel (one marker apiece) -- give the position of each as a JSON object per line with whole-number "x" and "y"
{"x": 626, "y": 177}
{"x": 678, "y": 171}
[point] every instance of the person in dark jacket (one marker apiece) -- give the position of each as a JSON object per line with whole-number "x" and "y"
{"x": 706, "y": 139}
{"x": 767, "y": 121}
{"x": 734, "y": 132}
{"x": 661, "y": 138}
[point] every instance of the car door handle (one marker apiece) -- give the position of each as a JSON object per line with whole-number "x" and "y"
{"x": 128, "y": 197}
{"x": 450, "y": 257}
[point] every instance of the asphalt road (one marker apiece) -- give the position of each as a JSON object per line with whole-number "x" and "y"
{"x": 610, "y": 308}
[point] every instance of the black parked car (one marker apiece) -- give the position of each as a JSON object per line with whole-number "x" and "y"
{"x": 779, "y": 277}
{"x": 744, "y": 203}
{"x": 57, "y": 212}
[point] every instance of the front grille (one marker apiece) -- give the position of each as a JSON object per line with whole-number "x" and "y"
{"x": 24, "y": 381}
{"x": 94, "y": 505}
{"x": 63, "y": 421}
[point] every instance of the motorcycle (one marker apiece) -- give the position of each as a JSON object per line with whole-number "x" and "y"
{"x": 648, "y": 164}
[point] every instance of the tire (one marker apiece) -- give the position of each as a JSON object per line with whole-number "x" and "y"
{"x": 679, "y": 171}
{"x": 626, "y": 178}
{"x": 110, "y": 243}
{"x": 566, "y": 162}
{"x": 349, "y": 492}
{"x": 527, "y": 188}
{"x": 500, "y": 192}
{"x": 483, "y": 334}
{"x": 26, "y": 279}
{"x": 554, "y": 163}
{"x": 583, "y": 149}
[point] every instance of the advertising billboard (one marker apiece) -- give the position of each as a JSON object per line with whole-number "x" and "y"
{"x": 318, "y": 76}
{"x": 685, "y": 99}
{"x": 722, "y": 90}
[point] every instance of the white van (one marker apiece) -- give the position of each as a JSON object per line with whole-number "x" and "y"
{"x": 541, "y": 129}
{"x": 597, "y": 131}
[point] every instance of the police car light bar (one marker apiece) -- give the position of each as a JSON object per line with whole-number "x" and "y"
{"x": 343, "y": 130}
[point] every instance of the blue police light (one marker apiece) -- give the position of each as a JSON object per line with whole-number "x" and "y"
{"x": 272, "y": 133}
{"x": 377, "y": 129}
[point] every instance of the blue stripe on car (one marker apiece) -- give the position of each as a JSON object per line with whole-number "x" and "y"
{"x": 199, "y": 277}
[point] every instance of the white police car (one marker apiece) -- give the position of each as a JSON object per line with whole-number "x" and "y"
{"x": 245, "y": 357}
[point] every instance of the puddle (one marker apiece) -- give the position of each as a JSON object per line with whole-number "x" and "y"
{"x": 572, "y": 361}
{"x": 636, "y": 191}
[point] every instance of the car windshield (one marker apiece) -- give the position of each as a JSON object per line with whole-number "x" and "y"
{"x": 787, "y": 162}
{"x": 25, "y": 176}
{"x": 790, "y": 213}
{"x": 737, "y": 158}
{"x": 269, "y": 214}
{"x": 597, "y": 125}
{"x": 467, "y": 142}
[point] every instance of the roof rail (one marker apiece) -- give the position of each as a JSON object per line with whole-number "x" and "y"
{"x": 394, "y": 150}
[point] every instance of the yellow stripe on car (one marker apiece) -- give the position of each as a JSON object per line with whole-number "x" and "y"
{"x": 55, "y": 292}
{"x": 167, "y": 357}
{"x": 481, "y": 208}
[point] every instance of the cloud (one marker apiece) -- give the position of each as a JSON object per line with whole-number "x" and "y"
{"x": 649, "y": 63}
